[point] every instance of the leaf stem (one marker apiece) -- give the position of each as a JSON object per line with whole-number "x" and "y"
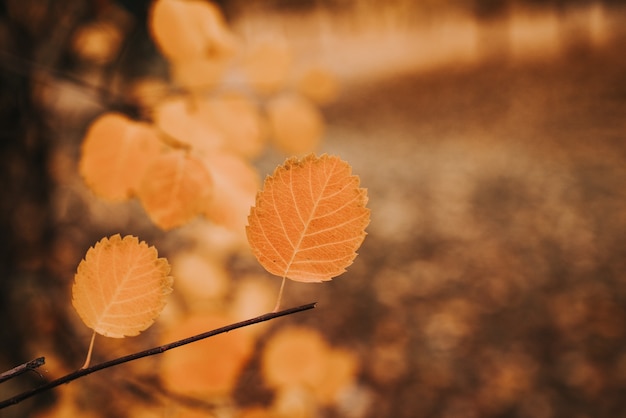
{"x": 280, "y": 295}
{"x": 150, "y": 352}
{"x": 88, "y": 359}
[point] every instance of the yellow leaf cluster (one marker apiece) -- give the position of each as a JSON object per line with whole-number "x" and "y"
{"x": 120, "y": 286}
{"x": 309, "y": 219}
{"x": 196, "y": 173}
{"x": 202, "y": 133}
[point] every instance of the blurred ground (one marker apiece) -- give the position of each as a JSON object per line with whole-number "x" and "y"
{"x": 492, "y": 282}
{"x": 494, "y": 265}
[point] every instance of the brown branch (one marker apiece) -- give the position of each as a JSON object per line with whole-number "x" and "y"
{"x": 150, "y": 352}
{"x": 22, "y": 368}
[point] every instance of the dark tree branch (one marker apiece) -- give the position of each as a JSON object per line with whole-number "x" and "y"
{"x": 22, "y": 368}
{"x": 150, "y": 352}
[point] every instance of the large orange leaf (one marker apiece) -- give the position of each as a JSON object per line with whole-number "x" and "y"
{"x": 176, "y": 188}
{"x": 115, "y": 154}
{"x": 120, "y": 286}
{"x": 309, "y": 219}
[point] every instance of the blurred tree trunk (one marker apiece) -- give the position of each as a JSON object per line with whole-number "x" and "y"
{"x": 25, "y": 225}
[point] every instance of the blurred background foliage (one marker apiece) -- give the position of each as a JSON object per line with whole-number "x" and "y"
{"x": 491, "y": 136}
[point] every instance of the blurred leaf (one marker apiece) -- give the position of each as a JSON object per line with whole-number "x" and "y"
{"x": 340, "y": 371}
{"x": 318, "y": 85}
{"x": 294, "y": 356}
{"x": 201, "y": 73}
{"x": 235, "y": 185}
{"x": 189, "y": 29}
{"x": 188, "y": 123}
{"x": 115, "y": 154}
{"x": 239, "y": 122}
{"x": 176, "y": 188}
{"x": 296, "y": 125}
{"x": 200, "y": 279}
{"x": 97, "y": 42}
{"x": 267, "y": 65}
{"x": 205, "y": 368}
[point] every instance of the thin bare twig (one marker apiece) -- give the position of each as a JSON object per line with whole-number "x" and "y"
{"x": 150, "y": 352}
{"x": 22, "y": 368}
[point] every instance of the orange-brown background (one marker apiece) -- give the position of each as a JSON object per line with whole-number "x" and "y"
{"x": 490, "y": 136}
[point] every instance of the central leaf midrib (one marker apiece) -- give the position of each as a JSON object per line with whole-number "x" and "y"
{"x": 118, "y": 287}
{"x": 296, "y": 248}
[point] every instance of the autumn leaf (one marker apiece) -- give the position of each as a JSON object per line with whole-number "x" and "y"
{"x": 120, "y": 286}
{"x": 115, "y": 154}
{"x": 309, "y": 219}
{"x": 176, "y": 188}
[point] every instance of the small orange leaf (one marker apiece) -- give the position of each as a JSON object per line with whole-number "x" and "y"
{"x": 120, "y": 286}
{"x": 309, "y": 219}
{"x": 176, "y": 187}
{"x": 115, "y": 154}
